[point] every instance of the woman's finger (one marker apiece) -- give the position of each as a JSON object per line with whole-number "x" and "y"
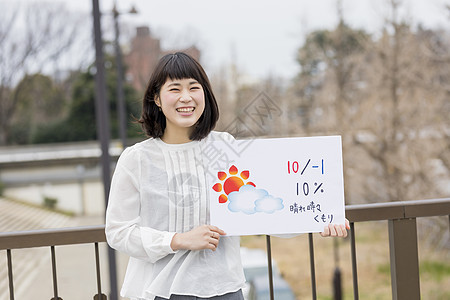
{"x": 335, "y": 230}
{"x": 214, "y": 242}
{"x": 217, "y": 229}
{"x": 344, "y": 230}
{"x": 332, "y": 230}
{"x": 340, "y": 230}
{"x": 325, "y": 232}
{"x": 215, "y": 235}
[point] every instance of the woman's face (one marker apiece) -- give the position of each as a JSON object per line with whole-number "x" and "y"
{"x": 182, "y": 101}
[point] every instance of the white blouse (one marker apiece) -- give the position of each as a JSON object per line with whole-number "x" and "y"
{"x": 158, "y": 190}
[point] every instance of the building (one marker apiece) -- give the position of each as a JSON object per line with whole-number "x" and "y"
{"x": 145, "y": 51}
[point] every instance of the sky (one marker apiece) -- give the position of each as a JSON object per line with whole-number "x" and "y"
{"x": 261, "y": 36}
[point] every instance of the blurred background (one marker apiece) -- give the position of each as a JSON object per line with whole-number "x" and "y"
{"x": 375, "y": 72}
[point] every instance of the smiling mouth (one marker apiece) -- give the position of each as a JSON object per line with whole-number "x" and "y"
{"x": 186, "y": 109}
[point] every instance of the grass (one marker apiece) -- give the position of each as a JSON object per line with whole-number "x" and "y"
{"x": 437, "y": 270}
{"x": 434, "y": 270}
{"x": 372, "y": 247}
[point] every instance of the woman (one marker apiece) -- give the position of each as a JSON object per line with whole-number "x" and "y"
{"x": 158, "y": 211}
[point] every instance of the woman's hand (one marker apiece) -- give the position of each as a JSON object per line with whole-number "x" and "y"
{"x": 336, "y": 230}
{"x": 202, "y": 237}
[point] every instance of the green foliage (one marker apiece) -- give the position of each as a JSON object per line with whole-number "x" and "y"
{"x": 384, "y": 269}
{"x": 80, "y": 124}
{"x": 2, "y": 188}
{"x": 438, "y": 270}
{"x": 50, "y": 202}
{"x": 325, "y": 48}
{"x": 39, "y": 101}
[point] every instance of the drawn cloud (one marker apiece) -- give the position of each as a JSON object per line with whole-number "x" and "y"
{"x": 269, "y": 204}
{"x": 250, "y": 200}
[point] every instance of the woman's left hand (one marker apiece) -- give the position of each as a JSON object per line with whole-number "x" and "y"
{"x": 336, "y": 230}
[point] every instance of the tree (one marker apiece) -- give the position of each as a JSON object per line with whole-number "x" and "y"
{"x": 39, "y": 101}
{"x": 388, "y": 97}
{"x": 328, "y": 83}
{"x": 80, "y": 125}
{"x": 48, "y": 31}
{"x": 328, "y": 61}
{"x": 400, "y": 113}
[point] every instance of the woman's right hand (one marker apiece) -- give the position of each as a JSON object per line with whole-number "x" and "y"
{"x": 199, "y": 238}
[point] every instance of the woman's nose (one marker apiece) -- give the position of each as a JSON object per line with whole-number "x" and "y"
{"x": 185, "y": 97}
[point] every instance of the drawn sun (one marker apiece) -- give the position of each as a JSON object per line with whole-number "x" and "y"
{"x": 232, "y": 182}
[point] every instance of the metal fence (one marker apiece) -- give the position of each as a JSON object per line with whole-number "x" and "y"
{"x": 401, "y": 218}
{"x": 51, "y": 238}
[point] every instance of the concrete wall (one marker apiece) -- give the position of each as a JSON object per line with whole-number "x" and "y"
{"x": 70, "y": 173}
{"x": 80, "y": 198}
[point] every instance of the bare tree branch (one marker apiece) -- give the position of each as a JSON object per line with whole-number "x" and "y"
{"x": 48, "y": 32}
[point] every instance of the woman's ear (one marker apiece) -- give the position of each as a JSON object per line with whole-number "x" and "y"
{"x": 157, "y": 101}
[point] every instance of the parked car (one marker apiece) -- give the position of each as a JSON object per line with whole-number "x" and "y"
{"x": 260, "y": 289}
{"x": 256, "y": 273}
{"x": 254, "y": 262}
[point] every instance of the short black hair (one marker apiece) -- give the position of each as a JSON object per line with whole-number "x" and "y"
{"x": 178, "y": 65}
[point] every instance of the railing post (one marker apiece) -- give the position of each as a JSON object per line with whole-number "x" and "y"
{"x": 99, "y": 295}
{"x": 10, "y": 274}
{"x": 337, "y": 278}
{"x": 404, "y": 259}
{"x": 269, "y": 265}
{"x": 312, "y": 266}
{"x": 354, "y": 264}
{"x": 55, "y": 280}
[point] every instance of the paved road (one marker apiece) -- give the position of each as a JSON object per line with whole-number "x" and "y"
{"x": 32, "y": 267}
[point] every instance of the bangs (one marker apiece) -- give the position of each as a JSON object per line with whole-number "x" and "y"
{"x": 177, "y": 66}
{"x": 181, "y": 67}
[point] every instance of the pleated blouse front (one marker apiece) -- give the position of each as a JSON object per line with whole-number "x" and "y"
{"x": 157, "y": 190}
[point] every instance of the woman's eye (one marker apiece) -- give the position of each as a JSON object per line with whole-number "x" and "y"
{"x": 174, "y": 90}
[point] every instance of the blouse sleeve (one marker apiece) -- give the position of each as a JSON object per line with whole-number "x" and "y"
{"x": 123, "y": 230}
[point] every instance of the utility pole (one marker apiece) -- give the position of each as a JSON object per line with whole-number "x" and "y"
{"x": 121, "y": 108}
{"x": 121, "y": 105}
{"x": 103, "y": 127}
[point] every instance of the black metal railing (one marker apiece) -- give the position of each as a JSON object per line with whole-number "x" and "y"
{"x": 401, "y": 218}
{"x": 404, "y": 259}
{"x": 50, "y": 238}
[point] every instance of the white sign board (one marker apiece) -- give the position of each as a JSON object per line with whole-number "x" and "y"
{"x": 276, "y": 186}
